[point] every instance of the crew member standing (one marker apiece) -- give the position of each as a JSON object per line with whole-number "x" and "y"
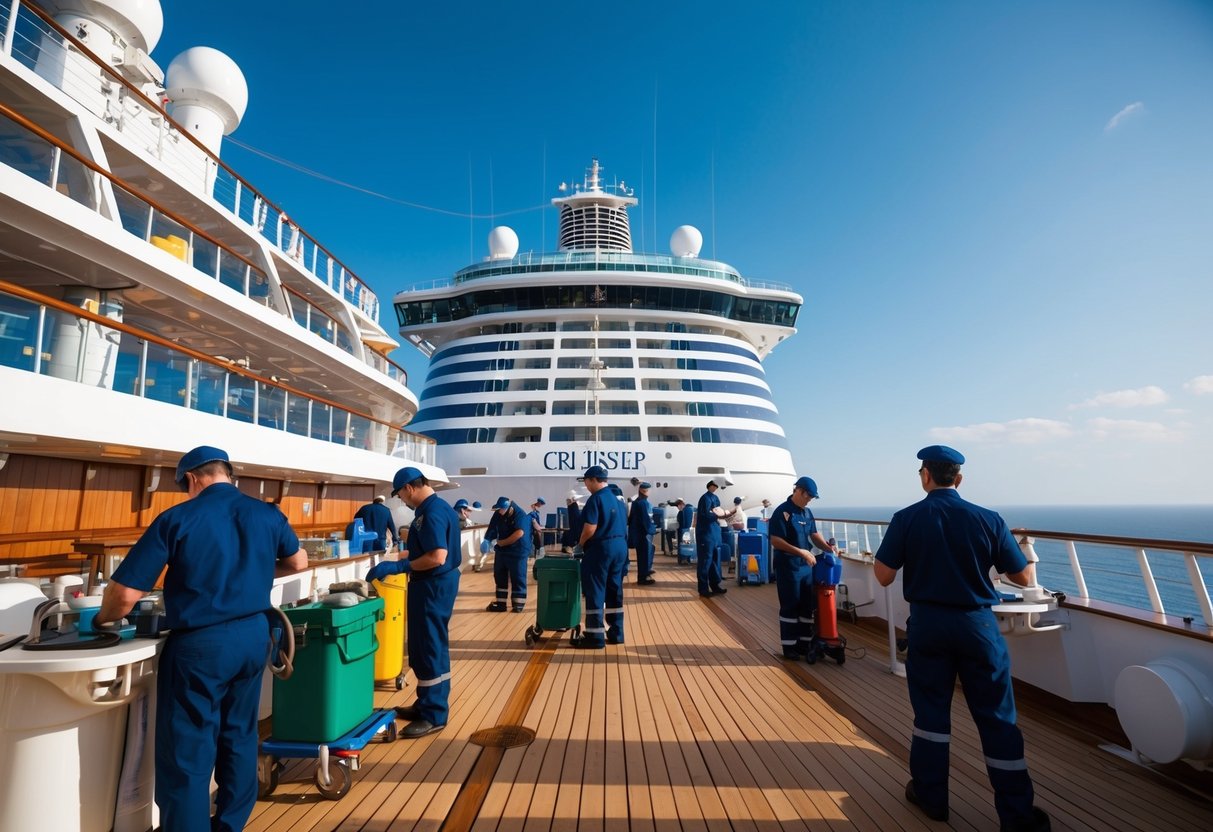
{"x": 536, "y": 515}
{"x": 433, "y": 567}
{"x": 223, "y": 550}
{"x": 739, "y": 518}
{"x": 708, "y": 540}
{"x": 947, "y": 546}
{"x": 464, "y": 512}
{"x": 640, "y": 534}
{"x": 511, "y": 528}
{"x": 604, "y": 540}
{"x": 793, "y": 533}
{"x": 572, "y": 535}
{"x": 377, "y": 518}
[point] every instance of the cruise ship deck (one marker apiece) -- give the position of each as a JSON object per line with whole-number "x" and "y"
{"x": 695, "y": 724}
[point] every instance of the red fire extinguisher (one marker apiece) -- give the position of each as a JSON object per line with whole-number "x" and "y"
{"x": 826, "y": 641}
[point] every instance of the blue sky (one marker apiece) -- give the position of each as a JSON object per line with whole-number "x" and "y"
{"x": 1000, "y": 214}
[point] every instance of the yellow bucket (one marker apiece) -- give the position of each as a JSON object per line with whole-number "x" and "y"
{"x": 391, "y": 630}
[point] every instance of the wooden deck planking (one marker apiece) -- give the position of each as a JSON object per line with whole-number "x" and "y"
{"x": 654, "y": 735}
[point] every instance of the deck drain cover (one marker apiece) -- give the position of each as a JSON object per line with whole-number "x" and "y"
{"x": 503, "y": 736}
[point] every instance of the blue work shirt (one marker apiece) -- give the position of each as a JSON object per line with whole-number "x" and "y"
{"x": 707, "y": 526}
{"x": 947, "y": 546}
{"x": 220, "y": 548}
{"x": 640, "y": 522}
{"x": 503, "y": 525}
{"x": 794, "y": 524}
{"x": 604, "y": 511}
{"x": 377, "y": 518}
{"x": 686, "y": 515}
{"x": 435, "y": 526}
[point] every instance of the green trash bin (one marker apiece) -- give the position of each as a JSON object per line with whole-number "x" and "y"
{"x": 332, "y": 688}
{"x": 559, "y": 604}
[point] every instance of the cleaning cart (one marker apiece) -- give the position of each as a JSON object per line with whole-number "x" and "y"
{"x": 324, "y": 709}
{"x": 559, "y": 604}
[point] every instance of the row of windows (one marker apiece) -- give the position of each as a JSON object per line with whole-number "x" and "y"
{"x": 588, "y": 343}
{"x": 723, "y": 410}
{"x": 582, "y": 362}
{"x": 689, "y": 385}
{"x": 678, "y": 299}
{"x": 581, "y": 433}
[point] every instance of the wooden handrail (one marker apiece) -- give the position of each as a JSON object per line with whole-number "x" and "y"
{"x": 109, "y": 323}
{"x": 116, "y": 76}
{"x": 1192, "y": 547}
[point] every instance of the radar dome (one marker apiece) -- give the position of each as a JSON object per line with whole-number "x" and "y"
{"x": 686, "y": 241}
{"x": 138, "y": 22}
{"x": 503, "y": 243}
{"x": 205, "y": 77}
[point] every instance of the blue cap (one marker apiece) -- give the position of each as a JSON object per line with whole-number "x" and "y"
{"x": 644, "y": 485}
{"x": 502, "y": 502}
{"x": 808, "y": 485}
{"x": 941, "y": 453}
{"x": 461, "y": 504}
{"x": 594, "y": 472}
{"x": 403, "y": 477}
{"x": 539, "y": 501}
{"x": 736, "y": 501}
{"x": 616, "y": 490}
{"x": 197, "y": 458}
{"x": 477, "y": 504}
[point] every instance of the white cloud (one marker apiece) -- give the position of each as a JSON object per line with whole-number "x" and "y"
{"x": 1020, "y": 431}
{"x": 1199, "y": 385}
{"x": 1128, "y": 111}
{"x": 1133, "y": 430}
{"x": 1141, "y": 397}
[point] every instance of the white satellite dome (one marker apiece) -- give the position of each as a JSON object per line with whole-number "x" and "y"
{"x": 503, "y": 243}
{"x": 138, "y": 22}
{"x": 205, "y": 77}
{"x": 686, "y": 241}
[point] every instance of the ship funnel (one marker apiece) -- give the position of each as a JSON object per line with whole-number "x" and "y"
{"x": 208, "y": 94}
{"x": 592, "y": 219}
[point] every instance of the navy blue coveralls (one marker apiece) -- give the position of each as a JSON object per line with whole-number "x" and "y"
{"x": 431, "y": 600}
{"x": 602, "y": 568}
{"x": 708, "y": 542}
{"x": 377, "y": 518}
{"x": 947, "y": 546}
{"x": 509, "y": 563}
{"x": 794, "y": 578}
{"x": 220, "y": 548}
{"x": 640, "y": 531}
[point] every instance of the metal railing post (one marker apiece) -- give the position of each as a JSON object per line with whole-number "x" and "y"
{"x": 1198, "y": 587}
{"x": 1148, "y": 576}
{"x": 1076, "y": 568}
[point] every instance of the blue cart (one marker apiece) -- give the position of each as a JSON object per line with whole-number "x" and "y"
{"x": 332, "y": 781}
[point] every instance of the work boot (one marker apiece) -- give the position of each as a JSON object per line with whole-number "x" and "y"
{"x": 939, "y": 813}
{"x": 496, "y": 606}
{"x": 419, "y": 728}
{"x": 1038, "y": 821}
{"x": 408, "y": 713}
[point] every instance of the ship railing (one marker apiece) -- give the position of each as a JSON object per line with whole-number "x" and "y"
{"x": 118, "y": 356}
{"x": 30, "y": 34}
{"x": 1166, "y": 577}
{"x": 55, "y": 164}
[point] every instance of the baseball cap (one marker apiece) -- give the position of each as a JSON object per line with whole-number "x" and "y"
{"x": 461, "y": 504}
{"x": 540, "y": 502}
{"x": 403, "y": 477}
{"x": 594, "y": 472}
{"x": 941, "y": 453}
{"x": 808, "y": 485}
{"x": 197, "y": 458}
{"x": 502, "y": 503}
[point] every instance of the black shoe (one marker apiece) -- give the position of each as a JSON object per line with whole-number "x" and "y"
{"x": 1038, "y": 821}
{"x": 407, "y": 712}
{"x": 794, "y": 655}
{"x": 419, "y": 728}
{"x": 496, "y": 606}
{"x": 518, "y": 609}
{"x": 706, "y": 594}
{"x": 719, "y": 590}
{"x": 647, "y": 581}
{"x": 614, "y": 640}
{"x": 584, "y": 644}
{"x": 933, "y": 812}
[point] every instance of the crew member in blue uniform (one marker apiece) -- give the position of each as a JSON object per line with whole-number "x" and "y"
{"x": 604, "y": 540}
{"x": 536, "y": 516}
{"x": 572, "y": 535}
{"x": 511, "y": 528}
{"x": 464, "y": 511}
{"x": 640, "y": 534}
{"x": 433, "y": 569}
{"x": 793, "y": 534}
{"x": 377, "y": 518}
{"x": 223, "y": 550}
{"x": 708, "y": 540}
{"x": 947, "y": 546}
{"x": 686, "y": 518}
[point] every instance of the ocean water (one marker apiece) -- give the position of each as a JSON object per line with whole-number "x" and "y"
{"x": 1111, "y": 573}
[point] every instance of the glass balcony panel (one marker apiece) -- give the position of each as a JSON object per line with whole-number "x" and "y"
{"x": 271, "y": 411}
{"x": 18, "y": 330}
{"x": 296, "y": 415}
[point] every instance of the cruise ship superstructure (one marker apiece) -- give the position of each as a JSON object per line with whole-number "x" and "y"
{"x": 650, "y": 365}
{"x": 152, "y": 300}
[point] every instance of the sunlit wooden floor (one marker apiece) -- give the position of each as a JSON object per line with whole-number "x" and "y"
{"x": 695, "y": 724}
